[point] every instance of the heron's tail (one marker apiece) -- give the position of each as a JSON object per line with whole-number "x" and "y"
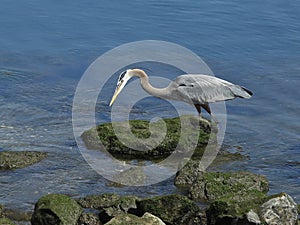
{"x": 241, "y": 92}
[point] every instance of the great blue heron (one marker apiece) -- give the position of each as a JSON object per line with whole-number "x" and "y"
{"x": 198, "y": 90}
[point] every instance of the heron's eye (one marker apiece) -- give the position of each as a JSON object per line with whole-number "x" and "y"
{"x": 122, "y": 75}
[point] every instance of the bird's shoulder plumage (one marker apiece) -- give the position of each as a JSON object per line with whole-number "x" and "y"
{"x": 201, "y": 89}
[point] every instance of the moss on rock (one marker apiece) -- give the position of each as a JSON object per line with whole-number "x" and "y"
{"x": 215, "y": 185}
{"x": 172, "y": 209}
{"x": 6, "y": 221}
{"x": 14, "y": 160}
{"x": 104, "y": 135}
{"x": 56, "y": 209}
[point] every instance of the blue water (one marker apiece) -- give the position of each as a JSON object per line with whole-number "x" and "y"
{"x": 45, "y": 47}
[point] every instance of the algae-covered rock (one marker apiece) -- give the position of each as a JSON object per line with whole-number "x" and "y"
{"x": 14, "y": 160}
{"x": 214, "y": 185}
{"x": 6, "y": 221}
{"x": 279, "y": 209}
{"x": 2, "y": 211}
{"x": 124, "y": 204}
{"x": 98, "y": 201}
{"x": 165, "y": 145}
{"x": 129, "y": 219}
{"x": 56, "y": 209}
{"x": 173, "y": 209}
{"x": 239, "y": 208}
{"x": 110, "y": 205}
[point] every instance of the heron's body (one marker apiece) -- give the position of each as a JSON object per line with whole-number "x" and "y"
{"x": 198, "y": 90}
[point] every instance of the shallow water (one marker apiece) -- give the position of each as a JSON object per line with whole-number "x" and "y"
{"x": 45, "y": 48}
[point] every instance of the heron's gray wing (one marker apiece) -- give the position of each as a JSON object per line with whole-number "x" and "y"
{"x": 204, "y": 89}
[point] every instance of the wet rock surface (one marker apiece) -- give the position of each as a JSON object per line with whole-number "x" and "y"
{"x": 19, "y": 159}
{"x": 160, "y": 145}
{"x": 173, "y": 209}
{"x": 56, "y": 209}
{"x": 214, "y": 185}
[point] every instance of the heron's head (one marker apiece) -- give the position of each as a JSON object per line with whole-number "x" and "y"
{"x": 123, "y": 79}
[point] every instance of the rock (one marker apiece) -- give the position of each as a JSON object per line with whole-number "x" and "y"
{"x": 154, "y": 219}
{"x": 110, "y": 205}
{"x": 88, "y": 219}
{"x": 172, "y": 209}
{"x": 252, "y": 217}
{"x": 132, "y": 176}
{"x": 98, "y": 201}
{"x": 2, "y": 211}
{"x": 188, "y": 174}
{"x": 214, "y": 185}
{"x": 279, "y": 209}
{"x": 236, "y": 209}
{"x": 123, "y": 205}
{"x": 56, "y": 209}
{"x": 140, "y": 129}
{"x": 5, "y": 221}
{"x": 146, "y": 219}
{"x": 14, "y": 160}
{"x": 234, "y": 196}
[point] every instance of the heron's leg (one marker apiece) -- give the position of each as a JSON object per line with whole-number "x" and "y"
{"x": 198, "y": 107}
{"x": 207, "y": 108}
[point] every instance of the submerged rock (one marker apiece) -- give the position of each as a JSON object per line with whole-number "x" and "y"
{"x": 279, "y": 209}
{"x": 104, "y": 137}
{"x": 14, "y": 160}
{"x": 173, "y": 209}
{"x": 56, "y": 209}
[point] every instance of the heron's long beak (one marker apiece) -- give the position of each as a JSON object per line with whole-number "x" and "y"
{"x": 117, "y": 91}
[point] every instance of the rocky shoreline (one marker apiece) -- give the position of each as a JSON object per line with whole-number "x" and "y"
{"x": 211, "y": 198}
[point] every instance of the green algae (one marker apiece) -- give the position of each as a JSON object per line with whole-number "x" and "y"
{"x": 103, "y": 137}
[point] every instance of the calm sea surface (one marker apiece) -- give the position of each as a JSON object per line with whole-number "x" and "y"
{"x": 45, "y": 47}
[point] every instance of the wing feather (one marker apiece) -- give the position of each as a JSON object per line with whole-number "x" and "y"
{"x": 200, "y": 89}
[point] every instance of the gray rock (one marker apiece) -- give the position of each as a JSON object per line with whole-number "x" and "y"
{"x": 129, "y": 219}
{"x": 279, "y": 209}
{"x": 56, "y": 209}
{"x": 252, "y": 217}
{"x": 88, "y": 219}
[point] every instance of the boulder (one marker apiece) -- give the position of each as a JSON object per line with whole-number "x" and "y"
{"x": 214, "y": 185}
{"x": 210, "y": 186}
{"x": 5, "y": 221}
{"x": 88, "y": 219}
{"x": 146, "y": 219}
{"x": 172, "y": 209}
{"x": 279, "y": 209}
{"x": 241, "y": 209}
{"x": 105, "y": 134}
{"x": 56, "y": 209}
{"x": 109, "y": 205}
{"x": 15, "y": 160}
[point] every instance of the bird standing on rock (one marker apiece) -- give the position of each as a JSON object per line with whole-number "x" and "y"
{"x": 195, "y": 89}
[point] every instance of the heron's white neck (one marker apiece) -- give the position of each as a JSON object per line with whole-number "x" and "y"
{"x": 157, "y": 92}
